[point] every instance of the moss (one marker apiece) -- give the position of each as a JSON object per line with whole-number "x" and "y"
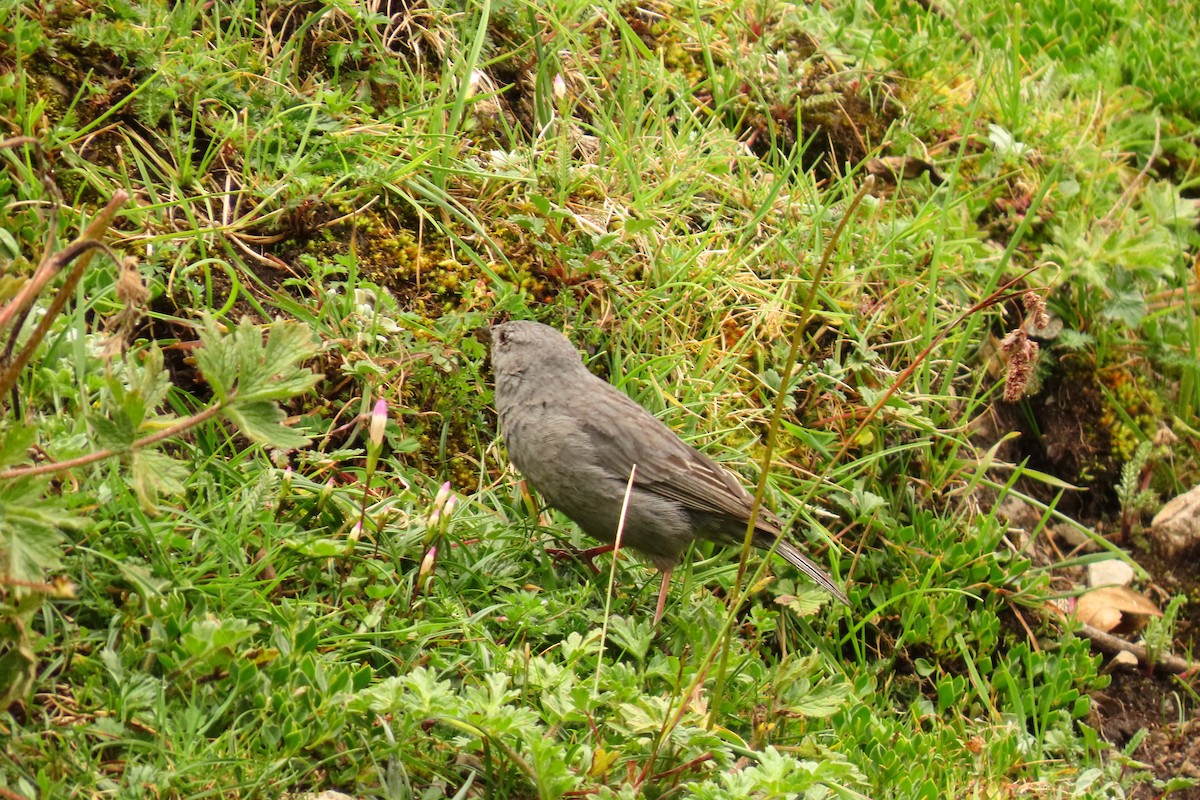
{"x": 1132, "y": 414}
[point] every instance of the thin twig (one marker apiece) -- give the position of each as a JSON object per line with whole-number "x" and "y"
{"x": 100, "y": 455}
{"x": 1115, "y": 644}
{"x": 612, "y": 571}
{"x": 94, "y": 232}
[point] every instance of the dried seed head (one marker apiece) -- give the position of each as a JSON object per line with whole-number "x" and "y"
{"x": 1021, "y": 353}
{"x": 1035, "y": 307}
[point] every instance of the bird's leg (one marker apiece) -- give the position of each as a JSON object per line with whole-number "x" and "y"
{"x": 585, "y": 556}
{"x": 662, "y": 594}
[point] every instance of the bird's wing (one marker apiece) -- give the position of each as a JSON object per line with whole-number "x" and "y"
{"x": 806, "y": 565}
{"x": 623, "y": 434}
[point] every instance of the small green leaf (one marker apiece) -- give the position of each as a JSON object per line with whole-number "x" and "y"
{"x": 18, "y": 672}
{"x": 260, "y": 421}
{"x": 113, "y": 433}
{"x": 150, "y": 382}
{"x": 806, "y": 602}
{"x": 316, "y": 548}
{"x": 153, "y": 473}
{"x": 1127, "y": 306}
{"x": 8, "y": 245}
{"x": 635, "y": 635}
{"x": 249, "y": 375}
{"x": 29, "y": 531}
{"x": 15, "y": 441}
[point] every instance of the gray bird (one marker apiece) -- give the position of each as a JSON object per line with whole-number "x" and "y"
{"x": 576, "y": 439}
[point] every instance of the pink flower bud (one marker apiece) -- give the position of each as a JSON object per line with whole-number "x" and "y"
{"x": 427, "y": 564}
{"x": 379, "y": 418}
{"x": 443, "y": 495}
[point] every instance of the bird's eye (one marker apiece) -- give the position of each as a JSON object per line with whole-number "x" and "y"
{"x": 499, "y": 336}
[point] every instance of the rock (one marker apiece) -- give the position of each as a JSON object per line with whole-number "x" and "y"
{"x": 1019, "y": 513}
{"x": 1072, "y": 535}
{"x": 1176, "y": 529}
{"x": 1109, "y": 573}
{"x": 1125, "y": 660}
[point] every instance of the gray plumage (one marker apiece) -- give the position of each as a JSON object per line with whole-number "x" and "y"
{"x": 575, "y": 439}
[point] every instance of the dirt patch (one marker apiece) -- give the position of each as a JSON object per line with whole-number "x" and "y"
{"x": 1137, "y": 702}
{"x": 1083, "y": 424}
{"x": 1062, "y": 434}
{"x": 1171, "y": 577}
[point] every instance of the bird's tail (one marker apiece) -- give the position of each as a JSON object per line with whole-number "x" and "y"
{"x": 805, "y": 565}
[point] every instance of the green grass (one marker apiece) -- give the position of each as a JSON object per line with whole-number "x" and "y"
{"x": 270, "y": 601}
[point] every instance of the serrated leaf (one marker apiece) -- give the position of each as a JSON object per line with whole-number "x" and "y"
{"x": 1167, "y": 207}
{"x": 261, "y": 421}
{"x": 18, "y": 673}
{"x": 801, "y": 694}
{"x": 554, "y": 777}
{"x": 30, "y": 542}
{"x": 287, "y": 345}
{"x": 1075, "y": 340}
{"x": 153, "y": 473}
{"x": 633, "y": 634}
{"x": 15, "y": 440}
{"x": 216, "y": 358}
{"x": 1127, "y": 306}
{"x": 249, "y": 374}
{"x": 113, "y": 433}
{"x": 211, "y": 643}
{"x": 821, "y": 701}
{"x": 149, "y": 382}
{"x": 241, "y": 364}
{"x": 805, "y": 602}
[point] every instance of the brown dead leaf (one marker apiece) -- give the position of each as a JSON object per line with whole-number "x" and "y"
{"x": 1108, "y": 607}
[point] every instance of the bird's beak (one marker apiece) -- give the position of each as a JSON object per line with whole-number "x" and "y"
{"x": 484, "y": 334}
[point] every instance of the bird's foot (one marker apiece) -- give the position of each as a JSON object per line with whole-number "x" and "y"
{"x": 585, "y": 556}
